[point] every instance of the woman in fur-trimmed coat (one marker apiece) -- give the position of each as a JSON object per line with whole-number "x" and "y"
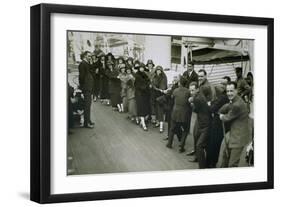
{"x": 114, "y": 86}
{"x": 130, "y": 94}
{"x": 159, "y": 84}
{"x": 142, "y": 93}
{"x": 123, "y": 76}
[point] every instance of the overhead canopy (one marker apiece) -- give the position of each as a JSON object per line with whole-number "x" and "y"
{"x": 217, "y": 56}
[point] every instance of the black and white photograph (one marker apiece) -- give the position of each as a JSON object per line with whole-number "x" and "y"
{"x": 150, "y": 102}
{"x": 131, "y": 103}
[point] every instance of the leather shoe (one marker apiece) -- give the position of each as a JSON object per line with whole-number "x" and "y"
{"x": 169, "y": 146}
{"x": 90, "y": 126}
{"x": 182, "y": 150}
{"x": 190, "y": 153}
{"x": 193, "y": 159}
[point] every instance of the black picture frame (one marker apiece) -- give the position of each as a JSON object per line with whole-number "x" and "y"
{"x": 41, "y": 95}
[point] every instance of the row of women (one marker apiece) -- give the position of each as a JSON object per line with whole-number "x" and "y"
{"x": 128, "y": 86}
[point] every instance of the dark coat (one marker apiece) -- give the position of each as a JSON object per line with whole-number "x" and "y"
{"x": 142, "y": 93}
{"x": 86, "y": 80}
{"x": 114, "y": 86}
{"x": 202, "y": 109}
{"x": 236, "y": 113}
{"x": 181, "y": 106}
{"x": 95, "y": 71}
{"x": 216, "y": 130}
{"x": 70, "y": 91}
{"x": 114, "y": 81}
{"x": 243, "y": 87}
{"x": 207, "y": 90}
{"x": 166, "y": 100}
{"x": 159, "y": 82}
{"x": 104, "y": 82}
{"x": 150, "y": 74}
{"x": 192, "y": 78}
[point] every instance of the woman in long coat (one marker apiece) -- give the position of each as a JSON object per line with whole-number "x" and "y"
{"x": 130, "y": 95}
{"x": 96, "y": 75}
{"x": 104, "y": 81}
{"x": 114, "y": 86}
{"x": 124, "y": 78}
{"x": 159, "y": 84}
{"x": 142, "y": 93}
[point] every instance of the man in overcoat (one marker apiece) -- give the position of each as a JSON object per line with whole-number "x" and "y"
{"x": 236, "y": 114}
{"x": 180, "y": 111}
{"x": 86, "y": 82}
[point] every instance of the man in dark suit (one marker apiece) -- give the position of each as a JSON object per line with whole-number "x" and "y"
{"x": 243, "y": 88}
{"x": 190, "y": 75}
{"x": 206, "y": 90}
{"x": 180, "y": 112}
{"x": 86, "y": 82}
{"x": 200, "y": 107}
{"x": 236, "y": 114}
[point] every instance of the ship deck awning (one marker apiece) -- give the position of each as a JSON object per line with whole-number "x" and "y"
{"x": 217, "y": 56}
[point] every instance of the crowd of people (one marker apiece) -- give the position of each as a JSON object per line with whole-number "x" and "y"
{"x": 142, "y": 91}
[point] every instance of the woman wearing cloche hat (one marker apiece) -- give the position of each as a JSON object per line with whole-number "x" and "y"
{"x": 159, "y": 84}
{"x": 114, "y": 86}
{"x": 124, "y": 78}
{"x": 142, "y": 93}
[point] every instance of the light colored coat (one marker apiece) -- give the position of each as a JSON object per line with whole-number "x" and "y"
{"x": 236, "y": 114}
